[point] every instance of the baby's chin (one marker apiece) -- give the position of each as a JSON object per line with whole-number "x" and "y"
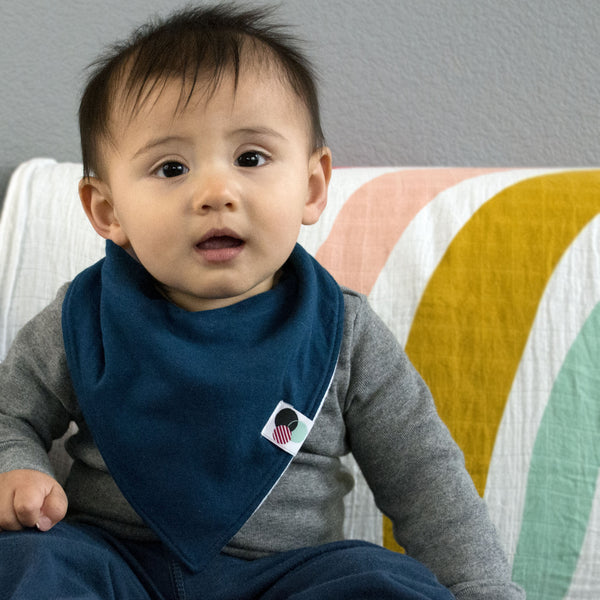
{"x": 217, "y": 299}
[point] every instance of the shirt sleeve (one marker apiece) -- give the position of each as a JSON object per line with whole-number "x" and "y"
{"x": 35, "y": 392}
{"x": 415, "y": 469}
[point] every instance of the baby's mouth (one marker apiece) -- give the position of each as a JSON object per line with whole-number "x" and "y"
{"x": 219, "y": 242}
{"x": 220, "y": 246}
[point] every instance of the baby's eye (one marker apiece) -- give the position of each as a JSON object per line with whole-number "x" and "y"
{"x": 171, "y": 169}
{"x": 252, "y": 158}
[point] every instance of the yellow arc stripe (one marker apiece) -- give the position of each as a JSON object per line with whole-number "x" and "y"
{"x": 472, "y": 323}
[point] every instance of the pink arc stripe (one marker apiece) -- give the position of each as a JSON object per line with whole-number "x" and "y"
{"x": 374, "y": 217}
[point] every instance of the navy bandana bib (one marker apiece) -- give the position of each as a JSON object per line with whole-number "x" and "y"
{"x": 198, "y": 414}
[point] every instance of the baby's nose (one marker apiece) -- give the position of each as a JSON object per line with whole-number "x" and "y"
{"x": 215, "y": 192}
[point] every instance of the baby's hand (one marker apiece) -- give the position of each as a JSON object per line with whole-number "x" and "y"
{"x": 30, "y": 499}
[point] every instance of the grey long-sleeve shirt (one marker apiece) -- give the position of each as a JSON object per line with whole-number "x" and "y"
{"x": 378, "y": 408}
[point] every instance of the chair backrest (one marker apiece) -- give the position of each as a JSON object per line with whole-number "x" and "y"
{"x": 488, "y": 278}
{"x": 45, "y": 240}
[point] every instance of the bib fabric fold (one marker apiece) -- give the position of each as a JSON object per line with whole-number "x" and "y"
{"x": 178, "y": 402}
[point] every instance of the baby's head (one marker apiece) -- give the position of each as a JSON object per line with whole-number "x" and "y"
{"x": 203, "y": 153}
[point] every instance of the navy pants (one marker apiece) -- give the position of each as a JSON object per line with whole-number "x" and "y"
{"x": 85, "y": 563}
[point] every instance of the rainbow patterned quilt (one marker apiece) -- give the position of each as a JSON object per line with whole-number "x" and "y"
{"x": 490, "y": 278}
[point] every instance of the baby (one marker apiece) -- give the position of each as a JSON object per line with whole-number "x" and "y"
{"x": 216, "y": 371}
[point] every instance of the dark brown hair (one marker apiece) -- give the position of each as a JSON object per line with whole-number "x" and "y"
{"x": 192, "y": 42}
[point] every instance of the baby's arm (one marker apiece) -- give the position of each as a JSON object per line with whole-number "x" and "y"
{"x": 30, "y": 498}
{"x": 36, "y": 406}
{"x": 417, "y": 472}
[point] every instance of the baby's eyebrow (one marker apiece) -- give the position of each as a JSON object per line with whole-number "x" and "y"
{"x": 159, "y": 141}
{"x": 260, "y": 131}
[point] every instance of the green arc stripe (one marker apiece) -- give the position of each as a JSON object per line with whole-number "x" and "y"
{"x": 563, "y": 473}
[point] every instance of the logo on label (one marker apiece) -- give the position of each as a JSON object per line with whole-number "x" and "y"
{"x": 287, "y": 428}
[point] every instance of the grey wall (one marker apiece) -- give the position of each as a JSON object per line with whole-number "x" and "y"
{"x": 404, "y": 82}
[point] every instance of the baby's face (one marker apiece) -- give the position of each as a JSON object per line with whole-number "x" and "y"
{"x": 210, "y": 199}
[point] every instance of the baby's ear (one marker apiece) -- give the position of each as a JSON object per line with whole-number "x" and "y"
{"x": 98, "y": 206}
{"x": 318, "y": 182}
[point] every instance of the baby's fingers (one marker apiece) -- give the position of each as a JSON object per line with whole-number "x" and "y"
{"x": 8, "y": 519}
{"x": 27, "y": 506}
{"x": 30, "y": 498}
{"x": 54, "y": 508}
